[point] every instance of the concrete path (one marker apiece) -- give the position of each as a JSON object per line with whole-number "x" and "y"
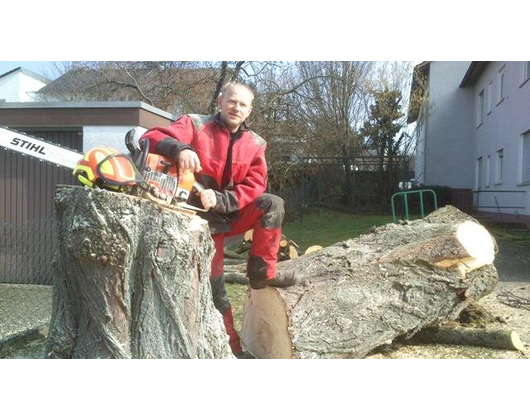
{"x": 513, "y": 261}
{"x": 25, "y": 312}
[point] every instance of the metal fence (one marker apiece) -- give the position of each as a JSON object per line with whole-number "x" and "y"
{"x": 27, "y": 250}
{"x": 359, "y": 184}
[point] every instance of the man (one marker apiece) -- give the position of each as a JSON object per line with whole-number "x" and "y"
{"x": 228, "y": 159}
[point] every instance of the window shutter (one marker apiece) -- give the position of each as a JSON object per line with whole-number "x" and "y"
{"x": 526, "y": 157}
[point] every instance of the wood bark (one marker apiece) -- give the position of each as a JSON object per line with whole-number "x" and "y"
{"x": 361, "y": 293}
{"x": 132, "y": 281}
{"x": 493, "y": 337}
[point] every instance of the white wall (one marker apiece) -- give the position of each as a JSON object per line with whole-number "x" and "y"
{"x": 18, "y": 87}
{"x": 503, "y": 128}
{"x": 419, "y": 158}
{"x": 107, "y": 136}
{"x": 449, "y": 157}
{"x": 10, "y": 87}
{"x": 28, "y": 88}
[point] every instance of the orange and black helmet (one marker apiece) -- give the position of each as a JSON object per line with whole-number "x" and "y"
{"x": 106, "y": 167}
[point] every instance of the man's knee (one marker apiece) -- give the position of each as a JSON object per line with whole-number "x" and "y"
{"x": 272, "y": 207}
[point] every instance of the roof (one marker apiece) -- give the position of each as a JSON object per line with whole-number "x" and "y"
{"x": 71, "y": 80}
{"x": 86, "y": 105}
{"x": 476, "y": 68}
{"x": 173, "y": 89}
{"x": 27, "y": 73}
{"x": 81, "y": 80}
{"x": 81, "y": 114}
{"x": 420, "y": 72}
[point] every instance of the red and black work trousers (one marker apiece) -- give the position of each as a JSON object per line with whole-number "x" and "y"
{"x": 265, "y": 216}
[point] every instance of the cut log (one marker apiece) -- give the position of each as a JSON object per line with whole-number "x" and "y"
{"x": 361, "y": 293}
{"x": 132, "y": 281}
{"x": 248, "y": 235}
{"x": 236, "y": 278}
{"x": 233, "y": 255}
{"x": 293, "y": 253}
{"x": 235, "y": 268}
{"x": 313, "y": 248}
{"x": 234, "y": 261}
{"x": 492, "y": 337}
{"x": 236, "y": 273}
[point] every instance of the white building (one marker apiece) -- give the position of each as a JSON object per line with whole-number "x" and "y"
{"x": 83, "y": 125}
{"x": 473, "y": 132}
{"x": 21, "y": 85}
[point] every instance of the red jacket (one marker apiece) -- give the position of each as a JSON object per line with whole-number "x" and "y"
{"x": 244, "y": 180}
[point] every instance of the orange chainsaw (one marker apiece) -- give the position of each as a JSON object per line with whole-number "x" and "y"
{"x": 140, "y": 173}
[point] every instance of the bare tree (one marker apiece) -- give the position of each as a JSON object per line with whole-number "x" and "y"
{"x": 330, "y": 104}
{"x": 324, "y": 109}
{"x": 176, "y": 87}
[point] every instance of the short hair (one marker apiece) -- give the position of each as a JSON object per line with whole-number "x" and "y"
{"x": 231, "y": 85}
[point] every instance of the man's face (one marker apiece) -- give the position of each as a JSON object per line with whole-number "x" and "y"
{"x": 236, "y": 106}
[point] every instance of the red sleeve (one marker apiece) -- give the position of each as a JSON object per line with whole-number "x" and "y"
{"x": 253, "y": 185}
{"x": 170, "y": 141}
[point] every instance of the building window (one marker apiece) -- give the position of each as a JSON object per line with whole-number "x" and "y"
{"x": 480, "y": 107}
{"x": 490, "y": 97}
{"x": 501, "y": 88}
{"x": 487, "y": 172}
{"x": 526, "y": 158}
{"x": 479, "y": 173}
{"x": 498, "y": 173}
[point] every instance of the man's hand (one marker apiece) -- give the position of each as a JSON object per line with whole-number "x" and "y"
{"x": 188, "y": 160}
{"x": 208, "y": 199}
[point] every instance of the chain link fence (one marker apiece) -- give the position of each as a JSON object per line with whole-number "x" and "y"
{"x": 27, "y": 250}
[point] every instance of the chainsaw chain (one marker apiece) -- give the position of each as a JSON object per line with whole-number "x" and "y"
{"x": 510, "y": 298}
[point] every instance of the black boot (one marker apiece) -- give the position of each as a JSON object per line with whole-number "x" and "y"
{"x": 244, "y": 355}
{"x": 285, "y": 278}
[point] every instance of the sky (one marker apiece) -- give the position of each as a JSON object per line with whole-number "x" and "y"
{"x": 44, "y": 68}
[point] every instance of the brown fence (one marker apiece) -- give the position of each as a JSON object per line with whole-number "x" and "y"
{"x": 27, "y": 250}
{"x": 27, "y": 187}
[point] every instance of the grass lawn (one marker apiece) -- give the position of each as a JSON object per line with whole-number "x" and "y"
{"x": 324, "y": 228}
{"x": 329, "y": 227}
{"x": 237, "y": 293}
{"x": 514, "y": 236}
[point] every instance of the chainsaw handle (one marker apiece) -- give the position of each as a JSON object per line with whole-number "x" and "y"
{"x": 141, "y": 159}
{"x": 199, "y": 187}
{"x": 131, "y": 142}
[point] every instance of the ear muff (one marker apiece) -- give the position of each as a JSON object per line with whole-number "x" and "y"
{"x": 82, "y": 177}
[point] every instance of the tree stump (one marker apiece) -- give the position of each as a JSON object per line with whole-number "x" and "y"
{"x": 359, "y": 294}
{"x": 132, "y": 281}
